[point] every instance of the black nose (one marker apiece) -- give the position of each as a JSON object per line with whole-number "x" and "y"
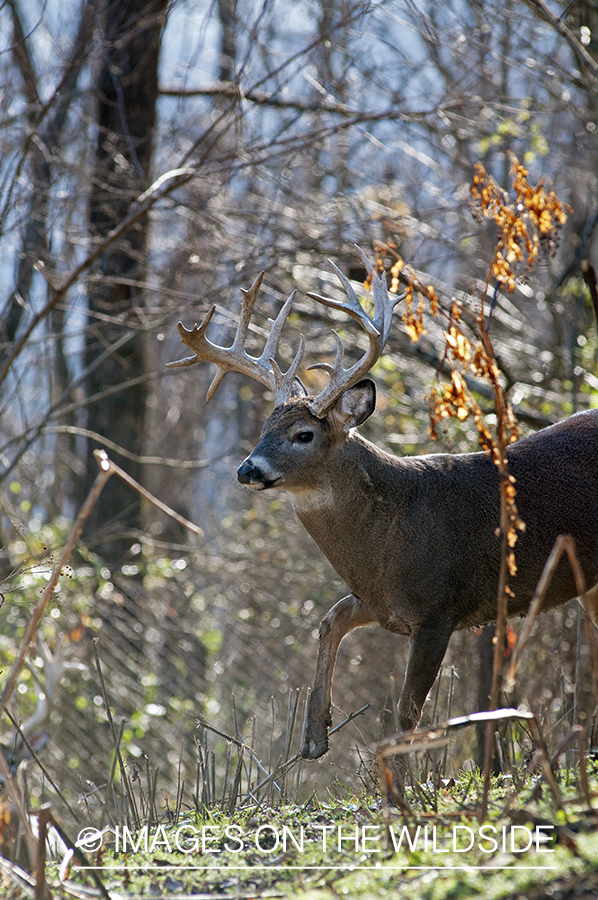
{"x": 246, "y": 473}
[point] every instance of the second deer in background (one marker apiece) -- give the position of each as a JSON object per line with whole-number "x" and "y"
{"x": 32, "y": 734}
{"x": 415, "y": 539}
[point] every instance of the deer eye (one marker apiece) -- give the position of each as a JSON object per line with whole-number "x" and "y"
{"x": 303, "y": 437}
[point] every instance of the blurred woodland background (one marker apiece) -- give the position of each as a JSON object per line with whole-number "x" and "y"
{"x": 155, "y": 156}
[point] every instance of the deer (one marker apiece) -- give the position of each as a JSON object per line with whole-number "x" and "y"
{"x": 31, "y": 735}
{"x": 22, "y": 742}
{"x": 416, "y": 539}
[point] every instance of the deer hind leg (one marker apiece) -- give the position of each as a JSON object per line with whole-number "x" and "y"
{"x": 347, "y": 614}
{"x": 427, "y": 647}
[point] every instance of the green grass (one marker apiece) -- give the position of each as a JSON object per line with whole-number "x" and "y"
{"x": 352, "y": 847}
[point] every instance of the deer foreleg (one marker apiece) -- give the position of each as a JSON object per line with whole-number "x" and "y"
{"x": 347, "y": 614}
{"x": 426, "y": 651}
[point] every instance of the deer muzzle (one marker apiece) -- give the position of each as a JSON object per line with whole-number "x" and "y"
{"x": 254, "y": 476}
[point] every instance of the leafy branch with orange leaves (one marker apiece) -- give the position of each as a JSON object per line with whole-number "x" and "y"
{"x": 526, "y": 223}
{"x": 528, "y": 220}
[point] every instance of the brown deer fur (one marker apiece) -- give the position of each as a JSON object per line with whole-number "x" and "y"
{"x": 416, "y": 539}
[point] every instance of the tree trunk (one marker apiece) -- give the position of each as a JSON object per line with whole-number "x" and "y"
{"x": 127, "y": 91}
{"x": 43, "y": 153}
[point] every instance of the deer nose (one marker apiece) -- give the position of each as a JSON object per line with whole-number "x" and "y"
{"x": 247, "y": 472}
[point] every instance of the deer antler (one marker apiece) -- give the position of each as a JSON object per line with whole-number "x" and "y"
{"x": 235, "y": 359}
{"x": 377, "y": 330}
{"x": 265, "y": 369}
{"x": 30, "y": 730}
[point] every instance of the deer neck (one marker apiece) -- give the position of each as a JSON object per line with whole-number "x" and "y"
{"x": 352, "y": 512}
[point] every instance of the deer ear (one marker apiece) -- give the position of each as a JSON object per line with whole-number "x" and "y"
{"x": 355, "y": 405}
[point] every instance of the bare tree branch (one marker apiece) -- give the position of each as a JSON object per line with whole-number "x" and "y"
{"x": 557, "y": 23}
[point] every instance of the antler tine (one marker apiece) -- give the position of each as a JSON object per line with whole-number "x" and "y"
{"x": 384, "y": 304}
{"x": 249, "y": 298}
{"x": 285, "y": 380}
{"x": 341, "y": 379}
{"x": 235, "y": 358}
{"x": 377, "y": 330}
{"x": 237, "y": 348}
{"x": 352, "y": 306}
{"x": 369, "y": 266}
{"x": 227, "y": 359}
{"x": 190, "y": 337}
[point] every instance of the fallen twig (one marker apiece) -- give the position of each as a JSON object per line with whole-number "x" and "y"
{"x": 563, "y": 544}
{"x": 284, "y": 767}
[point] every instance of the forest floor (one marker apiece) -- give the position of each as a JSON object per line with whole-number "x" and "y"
{"x": 528, "y": 846}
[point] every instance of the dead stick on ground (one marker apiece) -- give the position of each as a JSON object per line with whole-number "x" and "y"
{"x": 289, "y": 763}
{"x": 563, "y": 544}
{"x": 542, "y": 755}
{"x": 41, "y": 888}
{"x": 201, "y": 720}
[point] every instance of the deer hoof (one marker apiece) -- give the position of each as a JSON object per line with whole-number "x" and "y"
{"x": 314, "y": 749}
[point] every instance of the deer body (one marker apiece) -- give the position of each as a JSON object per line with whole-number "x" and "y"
{"x": 416, "y": 539}
{"x": 419, "y": 534}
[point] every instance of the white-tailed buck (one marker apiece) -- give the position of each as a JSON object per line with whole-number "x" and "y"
{"x": 415, "y": 539}
{"x": 17, "y": 744}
